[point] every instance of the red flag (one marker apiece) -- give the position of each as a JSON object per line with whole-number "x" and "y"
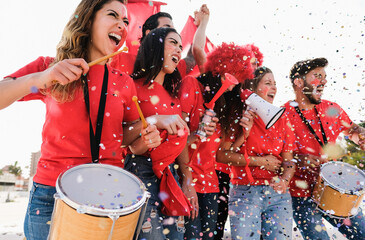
{"x": 175, "y": 203}
{"x": 187, "y": 35}
{"x": 138, "y": 12}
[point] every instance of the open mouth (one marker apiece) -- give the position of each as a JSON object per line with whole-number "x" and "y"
{"x": 115, "y": 37}
{"x": 271, "y": 95}
{"x": 175, "y": 59}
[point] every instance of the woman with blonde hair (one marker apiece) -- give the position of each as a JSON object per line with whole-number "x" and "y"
{"x": 86, "y": 107}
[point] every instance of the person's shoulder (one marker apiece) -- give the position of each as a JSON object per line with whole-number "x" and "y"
{"x": 119, "y": 73}
{"x": 290, "y": 105}
{"x": 191, "y": 82}
{"x": 189, "y": 79}
{"x": 326, "y": 104}
{"x": 123, "y": 56}
{"x": 42, "y": 62}
{"x": 38, "y": 65}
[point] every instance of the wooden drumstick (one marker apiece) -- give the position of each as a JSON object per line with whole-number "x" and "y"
{"x": 135, "y": 100}
{"x": 106, "y": 57}
{"x": 99, "y": 60}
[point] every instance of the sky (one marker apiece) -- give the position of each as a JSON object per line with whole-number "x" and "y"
{"x": 285, "y": 31}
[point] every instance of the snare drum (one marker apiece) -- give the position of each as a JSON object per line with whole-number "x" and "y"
{"x": 97, "y": 201}
{"x": 339, "y": 189}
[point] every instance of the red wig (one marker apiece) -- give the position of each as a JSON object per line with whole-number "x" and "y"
{"x": 255, "y": 52}
{"x": 230, "y": 58}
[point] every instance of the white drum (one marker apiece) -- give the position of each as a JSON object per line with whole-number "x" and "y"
{"x": 98, "y": 201}
{"x": 339, "y": 189}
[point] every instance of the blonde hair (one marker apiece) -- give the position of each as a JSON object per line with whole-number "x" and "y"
{"x": 74, "y": 43}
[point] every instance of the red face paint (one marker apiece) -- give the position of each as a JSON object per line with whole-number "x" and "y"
{"x": 316, "y": 82}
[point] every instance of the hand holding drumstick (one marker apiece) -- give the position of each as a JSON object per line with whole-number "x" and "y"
{"x": 149, "y": 133}
{"x": 70, "y": 70}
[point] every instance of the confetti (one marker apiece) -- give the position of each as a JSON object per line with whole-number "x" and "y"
{"x": 154, "y": 99}
{"x": 301, "y": 184}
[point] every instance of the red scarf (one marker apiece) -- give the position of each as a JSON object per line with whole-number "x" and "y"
{"x": 175, "y": 203}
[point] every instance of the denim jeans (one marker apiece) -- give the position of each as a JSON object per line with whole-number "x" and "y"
{"x": 39, "y": 212}
{"x": 259, "y": 210}
{"x": 155, "y": 225}
{"x": 224, "y": 181}
{"x": 203, "y": 227}
{"x": 309, "y": 221}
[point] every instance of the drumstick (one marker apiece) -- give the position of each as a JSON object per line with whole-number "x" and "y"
{"x": 99, "y": 60}
{"x": 135, "y": 100}
{"x": 106, "y": 57}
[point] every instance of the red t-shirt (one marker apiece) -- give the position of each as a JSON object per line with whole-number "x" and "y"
{"x": 125, "y": 63}
{"x": 65, "y": 135}
{"x": 154, "y": 99}
{"x": 260, "y": 142}
{"x": 223, "y": 167}
{"x": 334, "y": 120}
{"x": 202, "y": 154}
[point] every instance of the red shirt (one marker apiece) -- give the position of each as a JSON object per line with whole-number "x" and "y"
{"x": 334, "y": 120}
{"x": 260, "y": 142}
{"x": 202, "y": 154}
{"x": 154, "y": 99}
{"x": 125, "y": 63}
{"x": 65, "y": 135}
{"x": 223, "y": 167}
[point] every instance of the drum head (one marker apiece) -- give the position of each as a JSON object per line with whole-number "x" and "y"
{"x": 101, "y": 189}
{"x": 343, "y": 177}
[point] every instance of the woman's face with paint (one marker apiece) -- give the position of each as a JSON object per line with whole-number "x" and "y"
{"x": 267, "y": 87}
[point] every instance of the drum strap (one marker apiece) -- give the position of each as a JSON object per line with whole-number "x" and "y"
{"x": 95, "y": 138}
{"x": 310, "y": 127}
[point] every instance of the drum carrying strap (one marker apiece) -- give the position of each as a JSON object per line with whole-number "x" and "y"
{"x": 310, "y": 127}
{"x": 95, "y": 138}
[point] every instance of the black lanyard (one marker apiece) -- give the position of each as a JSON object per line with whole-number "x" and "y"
{"x": 310, "y": 127}
{"x": 95, "y": 138}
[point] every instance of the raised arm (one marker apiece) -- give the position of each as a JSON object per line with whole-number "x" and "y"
{"x": 197, "y": 55}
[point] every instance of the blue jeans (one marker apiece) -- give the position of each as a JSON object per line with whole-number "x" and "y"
{"x": 259, "y": 210}
{"x": 155, "y": 225}
{"x": 203, "y": 227}
{"x": 39, "y": 212}
{"x": 309, "y": 221}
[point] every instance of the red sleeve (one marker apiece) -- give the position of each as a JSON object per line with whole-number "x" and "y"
{"x": 39, "y": 65}
{"x": 191, "y": 100}
{"x": 182, "y": 68}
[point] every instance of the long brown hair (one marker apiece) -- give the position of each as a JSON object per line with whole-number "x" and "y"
{"x": 74, "y": 43}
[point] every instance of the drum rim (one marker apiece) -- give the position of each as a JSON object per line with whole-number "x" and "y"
{"x": 99, "y": 211}
{"x": 337, "y": 188}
